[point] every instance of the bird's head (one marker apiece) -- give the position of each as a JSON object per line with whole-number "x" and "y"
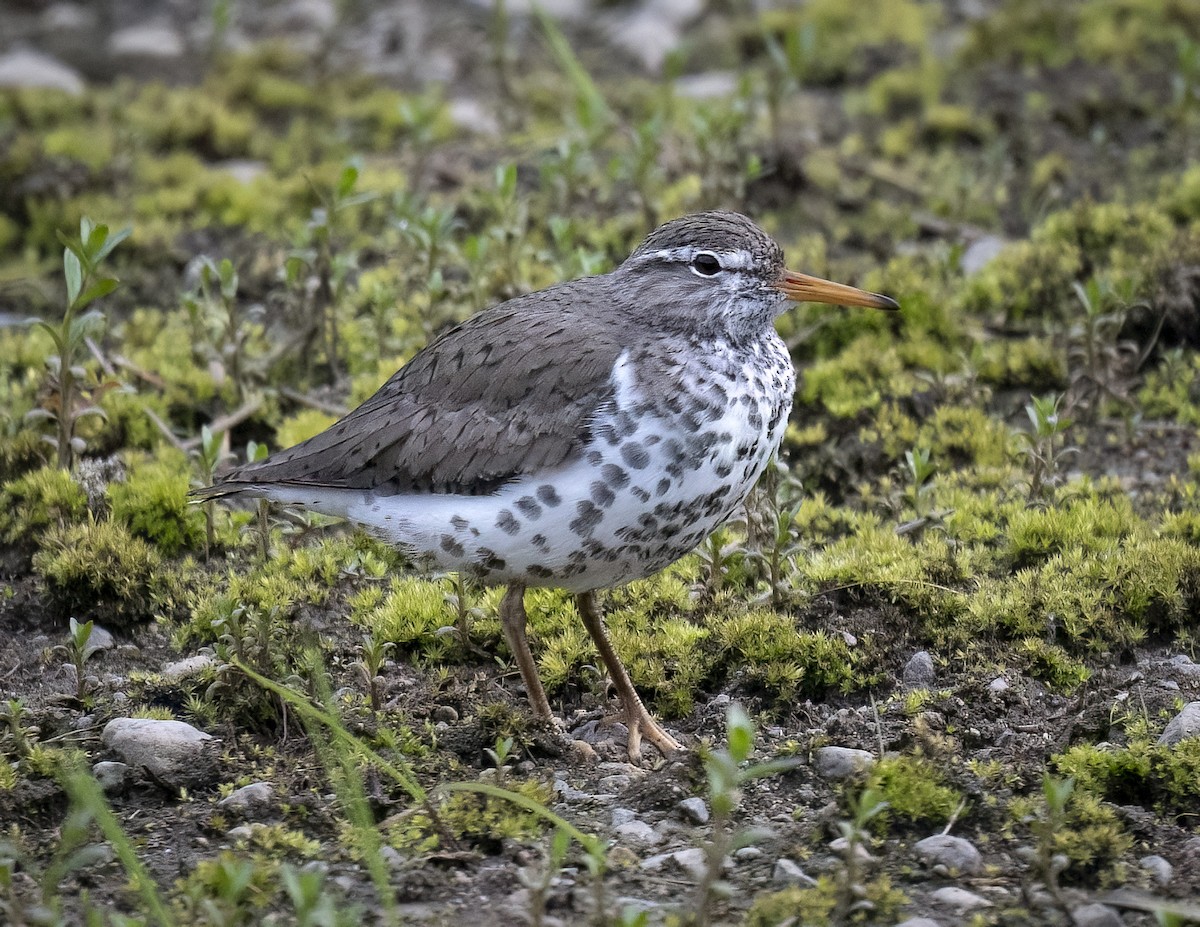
{"x": 720, "y": 269}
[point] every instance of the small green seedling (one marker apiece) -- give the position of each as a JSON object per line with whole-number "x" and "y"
{"x": 82, "y": 257}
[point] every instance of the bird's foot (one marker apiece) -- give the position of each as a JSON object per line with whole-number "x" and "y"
{"x": 641, "y": 725}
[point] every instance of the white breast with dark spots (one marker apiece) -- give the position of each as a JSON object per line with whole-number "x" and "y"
{"x": 667, "y": 464}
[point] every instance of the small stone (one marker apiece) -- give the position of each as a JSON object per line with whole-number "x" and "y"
{"x": 569, "y": 793}
{"x": 842, "y": 762}
{"x": 919, "y": 671}
{"x": 709, "y": 85}
{"x": 957, "y": 855}
{"x": 186, "y": 668}
{"x": 998, "y": 685}
{"x": 746, "y": 854}
{"x": 146, "y": 41}
{"x": 981, "y": 252}
{"x": 249, "y": 798}
{"x": 693, "y": 810}
{"x": 447, "y": 713}
{"x": 1160, "y": 870}
{"x": 27, "y": 68}
{"x": 959, "y": 899}
{"x": 919, "y": 922}
{"x": 1095, "y": 915}
{"x": 692, "y": 861}
{"x": 111, "y": 775}
{"x": 1184, "y": 725}
{"x": 861, "y": 853}
{"x": 623, "y": 816}
{"x": 638, "y": 835}
{"x": 243, "y": 170}
{"x": 99, "y": 639}
{"x": 788, "y": 873}
{"x": 172, "y": 751}
{"x": 650, "y": 863}
{"x": 614, "y": 783}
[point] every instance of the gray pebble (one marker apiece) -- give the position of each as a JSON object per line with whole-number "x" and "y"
{"x": 1160, "y": 870}
{"x": 919, "y": 922}
{"x": 919, "y": 671}
{"x": 190, "y": 666}
{"x": 111, "y": 775}
{"x": 172, "y": 751}
{"x": 638, "y": 835}
{"x": 249, "y": 798}
{"x": 691, "y": 861}
{"x": 959, "y": 899}
{"x": 788, "y": 873}
{"x": 693, "y": 810}
{"x": 1095, "y": 915}
{"x": 99, "y": 639}
{"x": 1184, "y": 725}
{"x": 445, "y": 713}
{"x": 958, "y": 856}
{"x": 842, "y": 762}
{"x": 623, "y": 816}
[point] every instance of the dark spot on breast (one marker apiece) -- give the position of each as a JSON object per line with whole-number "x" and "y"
{"x": 459, "y": 522}
{"x": 663, "y": 485}
{"x": 635, "y": 455}
{"x": 589, "y": 516}
{"x": 640, "y": 494}
{"x": 614, "y": 476}
{"x": 541, "y": 572}
{"x": 489, "y": 561}
{"x": 451, "y": 546}
{"x": 528, "y": 507}
{"x": 507, "y": 523}
{"x": 539, "y": 541}
{"x": 549, "y": 495}
{"x": 601, "y": 494}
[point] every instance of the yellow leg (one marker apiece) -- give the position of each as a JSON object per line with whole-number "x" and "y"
{"x": 512, "y": 620}
{"x": 641, "y": 723}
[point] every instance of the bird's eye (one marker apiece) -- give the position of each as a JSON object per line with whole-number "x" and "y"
{"x": 706, "y": 264}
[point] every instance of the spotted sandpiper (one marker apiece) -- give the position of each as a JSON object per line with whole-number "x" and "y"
{"x": 579, "y": 437}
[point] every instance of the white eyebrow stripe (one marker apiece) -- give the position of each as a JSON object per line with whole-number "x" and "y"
{"x": 730, "y": 260}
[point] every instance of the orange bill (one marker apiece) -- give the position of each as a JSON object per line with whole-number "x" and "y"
{"x": 805, "y": 289}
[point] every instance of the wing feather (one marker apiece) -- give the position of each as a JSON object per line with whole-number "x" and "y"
{"x": 510, "y": 391}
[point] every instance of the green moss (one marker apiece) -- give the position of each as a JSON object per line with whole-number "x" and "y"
{"x": 39, "y": 500}
{"x": 964, "y": 435}
{"x": 409, "y": 614}
{"x": 302, "y": 426}
{"x": 98, "y": 570}
{"x": 152, "y": 503}
{"x": 1172, "y": 389}
{"x": 873, "y": 901}
{"x": 1094, "y": 840}
{"x": 914, "y": 790}
{"x": 1092, "y": 525}
{"x": 480, "y": 820}
{"x": 850, "y": 36}
{"x": 774, "y": 655}
{"x": 1027, "y": 279}
{"x": 1142, "y": 773}
{"x": 857, "y": 380}
{"x": 1032, "y": 365}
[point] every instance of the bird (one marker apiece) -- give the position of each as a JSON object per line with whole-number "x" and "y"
{"x": 580, "y": 437}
